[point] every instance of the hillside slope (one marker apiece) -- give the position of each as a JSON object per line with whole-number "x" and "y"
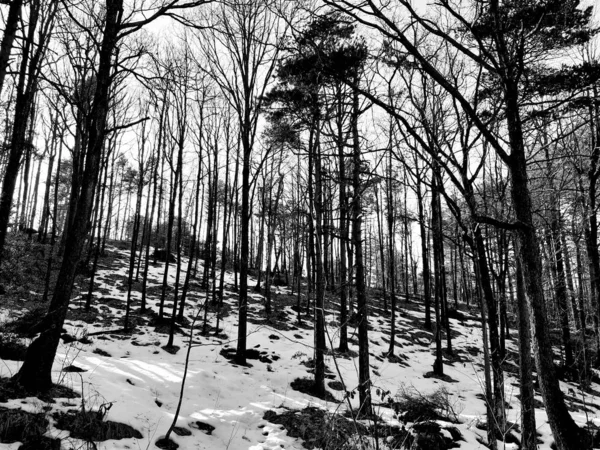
{"x": 226, "y": 406}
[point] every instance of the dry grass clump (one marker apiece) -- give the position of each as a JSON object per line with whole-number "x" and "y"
{"x": 90, "y": 426}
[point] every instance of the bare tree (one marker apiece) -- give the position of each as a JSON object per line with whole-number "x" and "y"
{"x": 241, "y": 53}
{"x": 35, "y": 373}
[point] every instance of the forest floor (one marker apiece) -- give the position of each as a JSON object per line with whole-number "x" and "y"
{"x": 133, "y": 383}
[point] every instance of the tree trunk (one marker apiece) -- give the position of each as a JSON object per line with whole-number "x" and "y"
{"x": 26, "y": 89}
{"x": 566, "y": 433}
{"x": 436, "y": 225}
{"x": 10, "y": 31}
{"x": 35, "y": 373}
{"x": 528, "y": 433}
{"x": 391, "y": 256}
{"x": 364, "y": 381}
{"x": 424, "y": 257}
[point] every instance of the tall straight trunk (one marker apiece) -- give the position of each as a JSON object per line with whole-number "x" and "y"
{"x": 246, "y": 132}
{"x": 364, "y": 380}
{"x": 261, "y": 237}
{"x": 54, "y": 226}
{"x": 424, "y": 256}
{"x": 43, "y": 229}
{"x": 569, "y": 276}
{"x": 273, "y": 208}
{"x": 210, "y": 218}
{"x": 379, "y": 213}
{"x": 325, "y": 225}
{"x": 127, "y": 212}
{"x": 109, "y": 211}
{"x": 193, "y": 244}
{"x": 446, "y": 320}
{"x": 36, "y": 187}
{"x": 236, "y": 232}
{"x": 171, "y": 220}
{"x": 213, "y": 251}
{"x": 96, "y": 224}
{"x": 455, "y": 271}
{"x": 24, "y": 204}
{"x": 528, "y": 428}
{"x": 497, "y": 400}
{"x": 232, "y": 207}
{"x": 465, "y": 285}
{"x": 591, "y": 226}
{"x": 580, "y": 288}
{"x": 492, "y": 434}
{"x": 407, "y": 252}
{"x": 160, "y": 196}
{"x": 343, "y": 240}
{"x": 560, "y": 289}
{"x": 502, "y": 249}
{"x": 298, "y": 257}
{"x": 178, "y": 240}
{"x": 391, "y": 256}
{"x": 316, "y": 232}
{"x": 227, "y": 201}
{"x": 88, "y": 301}
{"x": 136, "y": 227}
{"x": 436, "y": 225}
{"x": 555, "y": 248}
{"x": 149, "y": 220}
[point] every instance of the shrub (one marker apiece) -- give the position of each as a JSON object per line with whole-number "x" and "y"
{"x": 29, "y": 322}
{"x": 23, "y": 261}
{"x": 413, "y": 406}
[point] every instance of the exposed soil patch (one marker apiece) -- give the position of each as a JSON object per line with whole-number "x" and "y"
{"x": 307, "y": 386}
{"x": 206, "y": 428}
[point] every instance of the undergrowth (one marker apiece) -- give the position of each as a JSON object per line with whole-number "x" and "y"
{"x": 90, "y": 426}
{"x": 28, "y": 428}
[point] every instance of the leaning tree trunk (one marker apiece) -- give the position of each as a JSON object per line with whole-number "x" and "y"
{"x": 35, "y": 374}
{"x": 565, "y": 431}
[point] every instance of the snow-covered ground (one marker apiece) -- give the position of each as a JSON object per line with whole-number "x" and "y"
{"x": 143, "y": 381}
